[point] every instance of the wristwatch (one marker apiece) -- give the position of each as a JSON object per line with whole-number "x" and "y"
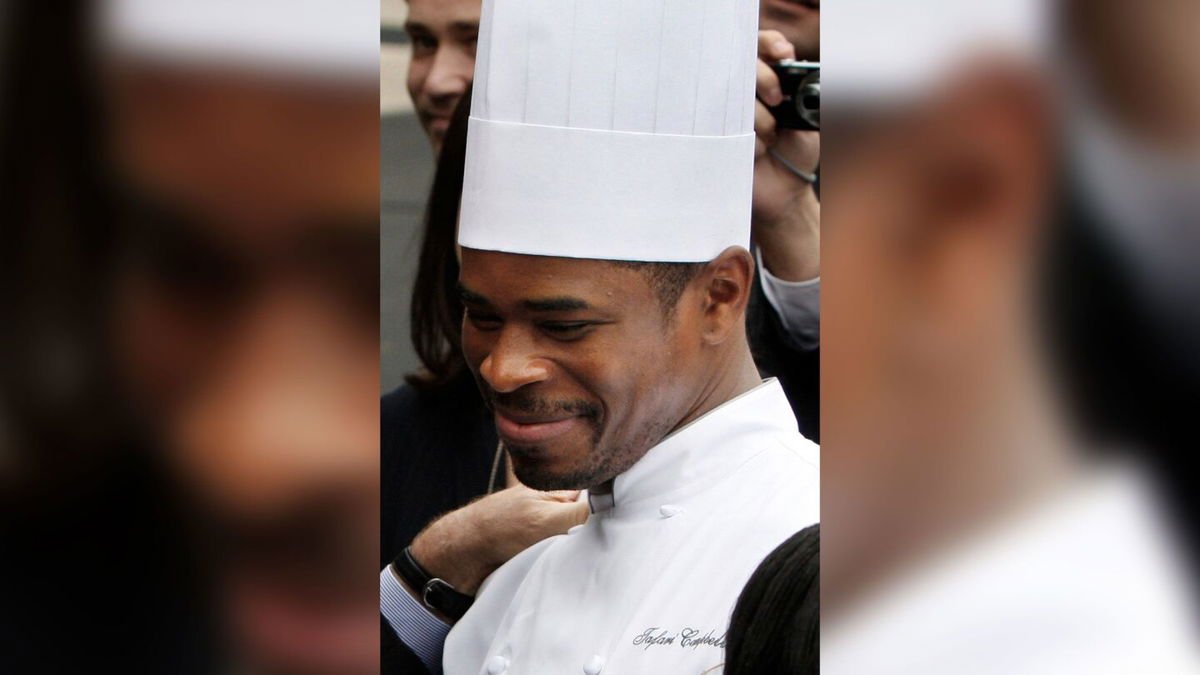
{"x": 435, "y": 593}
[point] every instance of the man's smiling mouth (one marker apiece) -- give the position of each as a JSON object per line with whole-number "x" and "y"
{"x": 524, "y": 428}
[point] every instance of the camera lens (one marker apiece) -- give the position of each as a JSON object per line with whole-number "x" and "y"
{"x": 808, "y": 101}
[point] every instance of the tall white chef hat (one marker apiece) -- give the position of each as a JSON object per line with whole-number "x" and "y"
{"x": 892, "y": 52}
{"x": 612, "y": 129}
{"x": 304, "y": 37}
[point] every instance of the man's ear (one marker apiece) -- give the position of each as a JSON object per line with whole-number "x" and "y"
{"x": 989, "y": 156}
{"x": 981, "y": 181}
{"x": 725, "y": 285}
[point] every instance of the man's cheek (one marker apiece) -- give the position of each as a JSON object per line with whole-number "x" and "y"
{"x": 417, "y": 73}
{"x": 469, "y": 345}
{"x": 473, "y": 354}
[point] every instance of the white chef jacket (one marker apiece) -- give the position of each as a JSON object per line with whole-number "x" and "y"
{"x": 648, "y": 583}
{"x": 1087, "y": 583}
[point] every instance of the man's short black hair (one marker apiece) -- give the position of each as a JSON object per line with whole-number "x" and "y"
{"x": 667, "y": 279}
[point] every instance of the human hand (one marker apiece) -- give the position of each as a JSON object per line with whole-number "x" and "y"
{"x": 786, "y": 212}
{"x": 464, "y": 546}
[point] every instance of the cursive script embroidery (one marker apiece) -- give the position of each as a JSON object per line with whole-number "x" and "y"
{"x": 649, "y": 639}
{"x": 687, "y": 638}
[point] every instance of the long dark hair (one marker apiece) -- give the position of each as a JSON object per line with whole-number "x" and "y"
{"x": 776, "y": 624}
{"x": 436, "y": 310}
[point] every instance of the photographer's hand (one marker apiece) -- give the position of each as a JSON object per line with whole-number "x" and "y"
{"x": 786, "y": 214}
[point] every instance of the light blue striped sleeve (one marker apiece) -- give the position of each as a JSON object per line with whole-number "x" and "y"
{"x": 416, "y": 627}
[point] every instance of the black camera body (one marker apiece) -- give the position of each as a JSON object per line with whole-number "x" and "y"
{"x": 801, "y": 85}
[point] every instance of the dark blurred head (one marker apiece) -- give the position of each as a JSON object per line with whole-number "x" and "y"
{"x": 798, "y": 20}
{"x": 247, "y": 327}
{"x": 776, "y": 624}
{"x": 589, "y": 363}
{"x": 443, "y": 34}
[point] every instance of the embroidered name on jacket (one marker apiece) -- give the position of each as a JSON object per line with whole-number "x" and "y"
{"x": 687, "y": 638}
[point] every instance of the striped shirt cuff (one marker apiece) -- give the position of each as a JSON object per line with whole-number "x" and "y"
{"x": 417, "y": 628}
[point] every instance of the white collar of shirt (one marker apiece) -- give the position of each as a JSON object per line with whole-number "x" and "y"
{"x": 700, "y": 453}
{"x": 1088, "y": 575}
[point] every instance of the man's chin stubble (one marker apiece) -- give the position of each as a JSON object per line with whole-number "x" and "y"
{"x": 596, "y": 473}
{"x": 540, "y": 478}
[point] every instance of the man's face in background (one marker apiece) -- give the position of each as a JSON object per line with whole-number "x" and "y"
{"x": 443, "y": 35}
{"x": 798, "y": 20}
{"x": 247, "y": 330}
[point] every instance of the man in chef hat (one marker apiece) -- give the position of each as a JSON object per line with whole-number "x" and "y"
{"x": 245, "y": 136}
{"x": 605, "y": 272}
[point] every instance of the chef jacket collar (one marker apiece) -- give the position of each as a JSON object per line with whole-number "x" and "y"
{"x": 700, "y": 453}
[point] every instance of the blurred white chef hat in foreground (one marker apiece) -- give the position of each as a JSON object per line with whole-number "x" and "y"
{"x": 328, "y": 38}
{"x": 891, "y": 51}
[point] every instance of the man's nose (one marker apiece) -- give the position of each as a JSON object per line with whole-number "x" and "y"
{"x": 513, "y": 364}
{"x": 286, "y": 413}
{"x": 450, "y": 74}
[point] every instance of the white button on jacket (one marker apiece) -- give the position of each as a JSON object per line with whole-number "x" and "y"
{"x": 497, "y": 665}
{"x": 594, "y": 666}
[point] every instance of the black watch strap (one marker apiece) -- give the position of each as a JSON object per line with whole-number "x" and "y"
{"x": 435, "y": 593}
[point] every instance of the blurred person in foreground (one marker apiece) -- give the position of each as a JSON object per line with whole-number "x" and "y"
{"x": 572, "y": 290}
{"x": 244, "y": 153}
{"x": 192, "y": 346}
{"x": 88, "y": 520}
{"x": 1125, "y": 284}
{"x": 968, "y": 526}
